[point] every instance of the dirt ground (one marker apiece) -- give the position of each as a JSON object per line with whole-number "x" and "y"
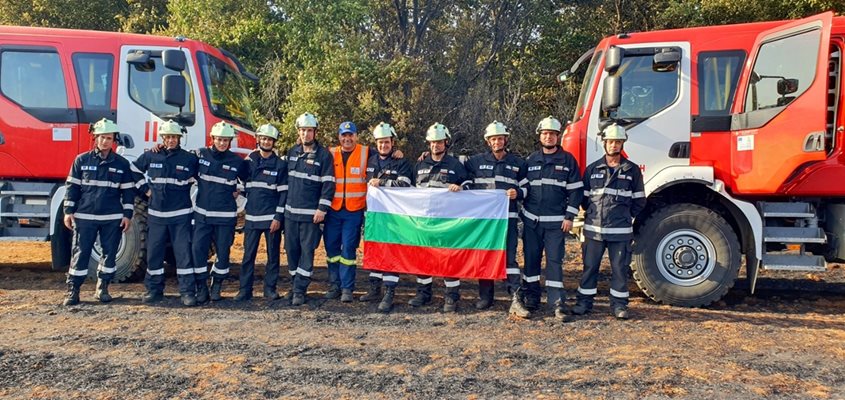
{"x": 787, "y": 341}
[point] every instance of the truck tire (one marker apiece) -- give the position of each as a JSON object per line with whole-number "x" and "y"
{"x": 131, "y": 260}
{"x": 686, "y": 255}
{"x": 60, "y": 244}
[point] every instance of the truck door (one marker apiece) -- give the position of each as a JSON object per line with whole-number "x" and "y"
{"x": 779, "y": 117}
{"x": 141, "y": 108}
{"x": 39, "y": 130}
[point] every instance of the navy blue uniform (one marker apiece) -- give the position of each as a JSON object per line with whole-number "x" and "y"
{"x": 554, "y": 192}
{"x": 612, "y": 199}
{"x": 170, "y": 173}
{"x": 100, "y": 192}
{"x": 311, "y": 184}
{"x": 266, "y": 190}
{"x": 439, "y": 174}
{"x": 215, "y": 212}
{"x": 486, "y": 172}
{"x": 391, "y": 172}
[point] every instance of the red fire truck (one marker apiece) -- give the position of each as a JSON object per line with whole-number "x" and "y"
{"x": 54, "y": 83}
{"x": 738, "y": 130}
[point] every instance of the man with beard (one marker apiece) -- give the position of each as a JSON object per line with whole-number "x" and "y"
{"x": 438, "y": 170}
{"x": 311, "y": 184}
{"x": 215, "y": 212}
{"x": 171, "y": 171}
{"x": 100, "y": 200}
{"x": 613, "y": 196}
{"x": 555, "y": 191}
{"x": 387, "y": 171}
{"x": 265, "y": 178}
{"x": 500, "y": 169}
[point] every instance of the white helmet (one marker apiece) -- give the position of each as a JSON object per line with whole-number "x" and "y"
{"x": 549, "y": 124}
{"x": 306, "y": 120}
{"x": 268, "y": 130}
{"x": 384, "y": 130}
{"x": 496, "y": 128}
{"x": 223, "y": 129}
{"x": 169, "y": 128}
{"x": 103, "y": 127}
{"x": 437, "y": 131}
{"x": 614, "y": 132}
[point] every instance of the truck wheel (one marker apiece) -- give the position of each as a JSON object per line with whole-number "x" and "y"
{"x": 131, "y": 259}
{"x": 686, "y": 255}
{"x": 60, "y": 244}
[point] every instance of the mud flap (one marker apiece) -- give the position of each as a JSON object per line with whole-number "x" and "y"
{"x": 752, "y": 267}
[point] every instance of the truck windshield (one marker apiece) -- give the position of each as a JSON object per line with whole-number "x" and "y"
{"x": 587, "y": 85}
{"x": 225, "y": 91}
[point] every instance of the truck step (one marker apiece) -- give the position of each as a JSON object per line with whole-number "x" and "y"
{"x": 784, "y": 234}
{"x": 793, "y": 262}
{"x": 9, "y": 193}
{"x": 23, "y": 215}
{"x": 787, "y": 210}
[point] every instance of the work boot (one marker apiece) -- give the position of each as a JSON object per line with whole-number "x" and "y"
{"x": 450, "y": 305}
{"x": 288, "y": 296}
{"x": 562, "y": 312}
{"x": 72, "y": 297}
{"x": 517, "y": 308}
{"x": 152, "y": 296}
{"x": 243, "y": 295}
{"x": 216, "y": 287}
{"x": 333, "y": 292}
{"x": 101, "y": 293}
{"x": 485, "y": 295}
{"x": 531, "y": 303}
{"x": 298, "y": 299}
{"x": 188, "y": 300}
{"x": 202, "y": 292}
{"x": 386, "y": 304}
{"x": 420, "y": 299}
{"x": 346, "y": 296}
{"x": 270, "y": 294}
{"x": 581, "y": 308}
{"x": 374, "y": 293}
{"x": 484, "y": 303}
{"x": 620, "y": 312}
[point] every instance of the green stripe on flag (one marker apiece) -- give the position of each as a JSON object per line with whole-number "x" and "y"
{"x": 450, "y": 233}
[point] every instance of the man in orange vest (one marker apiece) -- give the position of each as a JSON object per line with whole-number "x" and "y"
{"x": 342, "y": 231}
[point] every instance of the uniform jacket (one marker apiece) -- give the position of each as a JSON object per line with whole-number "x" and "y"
{"x": 170, "y": 175}
{"x": 311, "y": 182}
{"x": 217, "y": 180}
{"x": 266, "y": 188}
{"x": 100, "y": 189}
{"x": 486, "y": 172}
{"x": 554, "y": 187}
{"x": 439, "y": 174}
{"x": 391, "y": 172}
{"x": 612, "y": 199}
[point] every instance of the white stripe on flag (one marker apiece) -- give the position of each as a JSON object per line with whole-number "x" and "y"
{"x": 439, "y": 203}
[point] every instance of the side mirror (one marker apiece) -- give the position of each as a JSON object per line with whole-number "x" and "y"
{"x": 140, "y": 59}
{"x": 173, "y": 90}
{"x": 611, "y": 94}
{"x": 173, "y": 60}
{"x": 787, "y": 86}
{"x": 666, "y": 59}
{"x": 125, "y": 141}
{"x": 613, "y": 59}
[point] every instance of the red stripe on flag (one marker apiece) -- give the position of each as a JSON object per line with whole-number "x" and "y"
{"x": 450, "y": 263}
{"x": 146, "y": 131}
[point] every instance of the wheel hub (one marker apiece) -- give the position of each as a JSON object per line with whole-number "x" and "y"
{"x": 686, "y": 257}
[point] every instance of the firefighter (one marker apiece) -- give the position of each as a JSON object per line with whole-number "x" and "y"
{"x": 438, "y": 170}
{"x": 554, "y": 192}
{"x": 613, "y": 196}
{"x": 499, "y": 169}
{"x": 100, "y": 200}
{"x": 215, "y": 212}
{"x": 311, "y": 185}
{"x": 266, "y": 185}
{"x": 385, "y": 170}
{"x": 171, "y": 171}
{"x": 346, "y": 215}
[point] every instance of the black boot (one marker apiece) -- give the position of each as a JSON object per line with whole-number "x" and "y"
{"x": 102, "y": 291}
{"x": 188, "y": 299}
{"x": 152, "y": 296}
{"x": 374, "y": 292}
{"x": 333, "y": 292}
{"x": 216, "y": 287}
{"x": 270, "y": 293}
{"x": 244, "y": 294}
{"x": 72, "y": 297}
{"x": 386, "y": 304}
{"x": 202, "y": 292}
{"x": 346, "y": 296}
{"x": 422, "y": 297}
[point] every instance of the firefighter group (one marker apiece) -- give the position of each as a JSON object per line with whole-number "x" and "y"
{"x": 316, "y": 192}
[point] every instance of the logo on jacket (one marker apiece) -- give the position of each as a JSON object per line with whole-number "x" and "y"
{"x": 558, "y": 167}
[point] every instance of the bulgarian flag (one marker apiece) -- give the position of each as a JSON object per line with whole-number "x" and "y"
{"x": 436, "y": 232}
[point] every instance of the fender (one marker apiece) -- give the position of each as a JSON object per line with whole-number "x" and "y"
{"x": 55, "y": 202}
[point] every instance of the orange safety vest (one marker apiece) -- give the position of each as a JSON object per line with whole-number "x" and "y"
{"x": 351, "y": 182}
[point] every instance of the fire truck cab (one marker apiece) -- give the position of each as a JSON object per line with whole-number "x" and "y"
{"x": 55, "y": 83}
{"x": 738, "y": 130}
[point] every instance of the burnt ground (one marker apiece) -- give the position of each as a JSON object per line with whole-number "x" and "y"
{"x": 787, "y": 341}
